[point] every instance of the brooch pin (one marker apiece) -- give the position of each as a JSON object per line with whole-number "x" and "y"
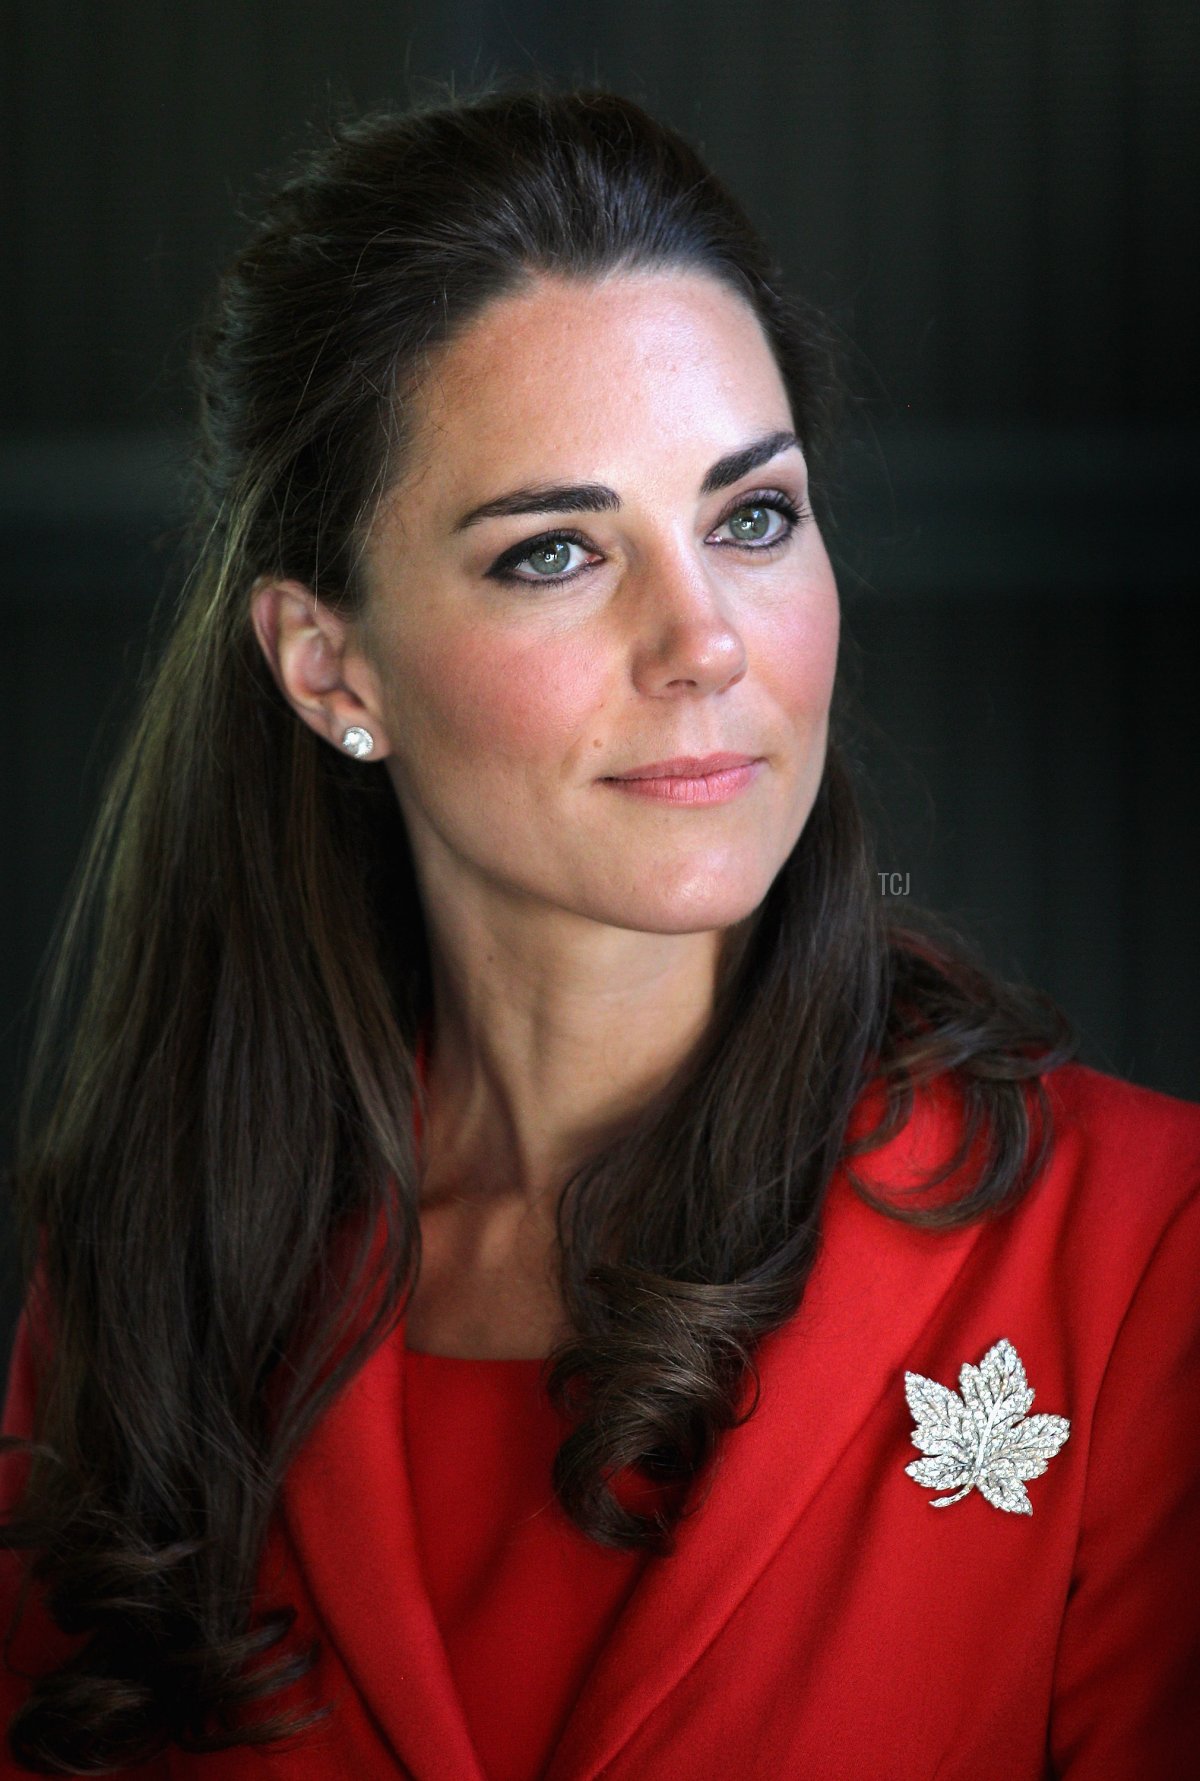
{"x": 982, "y": 1439}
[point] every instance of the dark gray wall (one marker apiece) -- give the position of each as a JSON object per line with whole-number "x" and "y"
{"x": 996, "y": 197}
{"x": 995, "y": 201}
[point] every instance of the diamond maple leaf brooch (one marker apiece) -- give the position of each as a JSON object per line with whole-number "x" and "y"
{"x": 982, "y": 1439}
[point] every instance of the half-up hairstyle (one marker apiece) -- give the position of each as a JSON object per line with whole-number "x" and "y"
{"x": 216, "y": 1169}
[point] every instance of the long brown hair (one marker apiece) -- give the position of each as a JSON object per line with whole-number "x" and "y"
{"x": 218, "y": 1123}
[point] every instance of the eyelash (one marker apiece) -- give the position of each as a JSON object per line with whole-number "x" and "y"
{"x": 511, "y": 559}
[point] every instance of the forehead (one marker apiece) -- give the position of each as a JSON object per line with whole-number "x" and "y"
{"x": 579, "y": 375}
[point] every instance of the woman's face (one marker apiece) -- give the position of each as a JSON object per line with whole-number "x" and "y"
{"x": 590, "y": 569}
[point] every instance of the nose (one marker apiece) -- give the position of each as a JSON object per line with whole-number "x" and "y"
{"x": 684, "y": 636}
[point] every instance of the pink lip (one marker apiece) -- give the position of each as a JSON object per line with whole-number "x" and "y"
{"x": 688, "y": 766}
{"x": 710, "y": 780}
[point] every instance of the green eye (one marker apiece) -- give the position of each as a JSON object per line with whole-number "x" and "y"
{"x": 550, "y": 559}
{"x": 750, "y": 522}
{"x": 547, "y": 559}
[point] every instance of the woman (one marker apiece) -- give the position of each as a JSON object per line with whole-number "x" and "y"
{"x": 508, "y": 1225}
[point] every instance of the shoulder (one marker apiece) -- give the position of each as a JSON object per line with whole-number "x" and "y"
{"x": 1106, "y": 1113}
{"x": 1119, "y": 1183}
{"x": 1130, "y": 1154}
{"x": 1133, "y": 1149}
{"x": 1113, "y": 1215}
{"x": 1136, "y": 1148}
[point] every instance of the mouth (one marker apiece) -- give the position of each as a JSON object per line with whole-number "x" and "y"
{"x": 687, "y": 766}
{"x": 690, "y": 779}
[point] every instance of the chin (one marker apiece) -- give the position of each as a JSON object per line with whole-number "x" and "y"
{"x": 690, "y": 909}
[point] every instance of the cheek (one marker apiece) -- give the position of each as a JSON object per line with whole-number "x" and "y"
{"x": 798, "y": 650}
{"x": 488, "y": 702}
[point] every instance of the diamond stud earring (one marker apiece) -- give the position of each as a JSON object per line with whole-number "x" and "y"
{"x": 357, "y": 741}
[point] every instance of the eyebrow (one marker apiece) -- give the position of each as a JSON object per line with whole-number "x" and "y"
{"x": 594, "y": 497}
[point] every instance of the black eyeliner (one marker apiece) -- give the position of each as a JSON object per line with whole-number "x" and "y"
{"x": 517, "y": 553}
{"x": 777, "y": 501}
{"x": 774, "y": 499}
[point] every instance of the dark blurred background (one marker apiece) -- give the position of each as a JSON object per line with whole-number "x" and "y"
{"x": 995, "y": 202}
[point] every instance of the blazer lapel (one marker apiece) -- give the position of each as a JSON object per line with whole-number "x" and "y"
{"x": 350, "y": 1518}
{"x": 875, "y": 1285}
{"x": 373, "y": 1601}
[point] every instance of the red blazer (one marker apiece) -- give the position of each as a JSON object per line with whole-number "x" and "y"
{"x": 820, "y": 1616}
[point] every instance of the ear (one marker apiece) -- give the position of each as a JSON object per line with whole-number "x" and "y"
{"x": 325, "y": 678}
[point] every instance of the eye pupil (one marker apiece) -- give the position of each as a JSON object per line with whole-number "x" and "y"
{"x": 751, "y": 522}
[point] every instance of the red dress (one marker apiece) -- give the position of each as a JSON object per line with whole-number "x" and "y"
{"x": 524, "y": 1602}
